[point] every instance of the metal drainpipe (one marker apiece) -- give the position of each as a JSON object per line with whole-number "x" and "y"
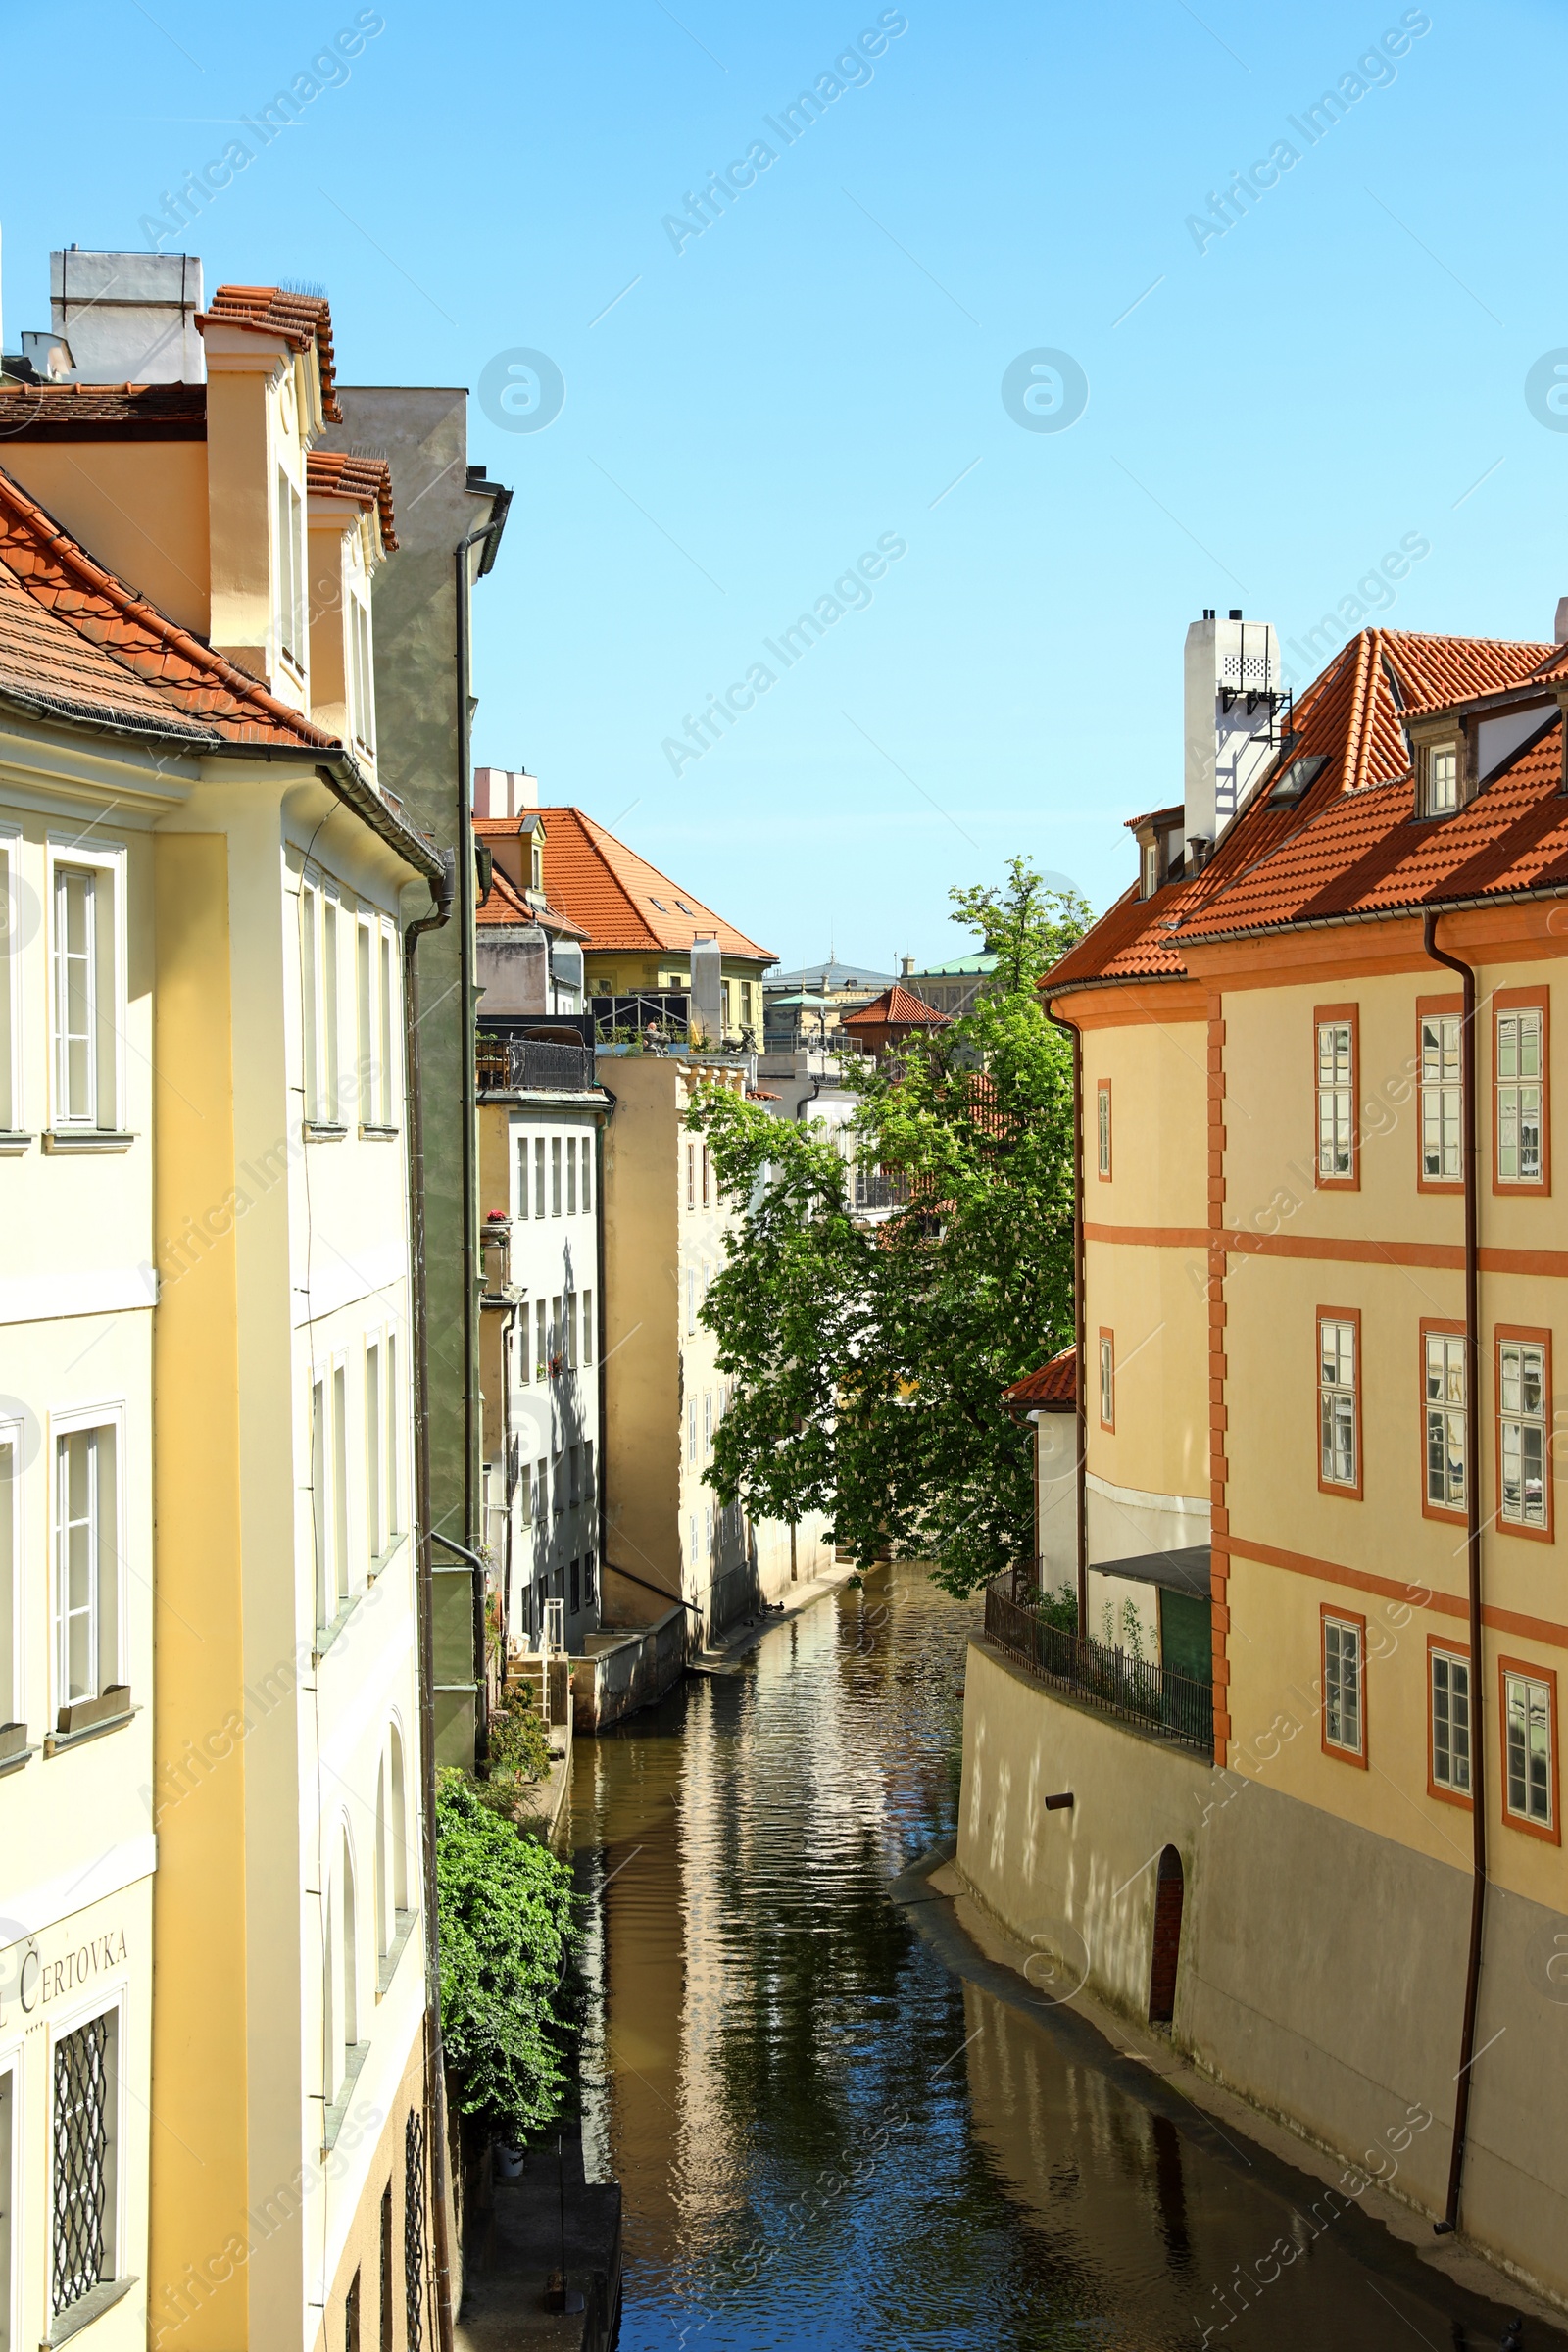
{"x": 470, "y": 1097}
{"x": 435, "y": 2099}
{"x": 1080, "y": 1413}
{"x": 1478, "y": 1743}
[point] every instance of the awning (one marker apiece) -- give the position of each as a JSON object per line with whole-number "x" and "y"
{"x": 1184, "y": 1571}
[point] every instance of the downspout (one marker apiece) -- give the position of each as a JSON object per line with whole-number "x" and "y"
{"x": 435, "y": 2097}
{"x": 1080, "y": 1387}
{"x": 602, "y": 1326}
{"x": 1478, "y": 1743}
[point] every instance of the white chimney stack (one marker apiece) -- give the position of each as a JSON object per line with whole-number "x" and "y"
{"x": 1231, "y": 679}
{"x": 503, "y": 792}
{"x": 129, "y": 318}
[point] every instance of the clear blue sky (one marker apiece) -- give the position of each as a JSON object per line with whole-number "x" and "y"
{"x": 816, "y": 369}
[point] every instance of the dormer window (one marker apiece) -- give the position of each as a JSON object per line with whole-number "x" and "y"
{"x": 362, "y": 675}
{"x": 1440, "y": 784}
{"x": 290, "y": 605}
{"x": 537, "y": 869}
{"x": 1149, "y": 870}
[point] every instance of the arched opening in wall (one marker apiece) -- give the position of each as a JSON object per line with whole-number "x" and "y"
{"x": 398, "y": 1823}
{"x": 1169, "y": 1887}
{"x": 350, "y": 1949}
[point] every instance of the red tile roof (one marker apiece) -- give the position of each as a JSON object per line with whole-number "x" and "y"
{"x": 1349, "y": 846}
{"x": 95, "y": 412}
{"x": 895, "y": 1008}
{"x": 299, "y": 320}
{"x": 504, "y": 905}
{"x": 622, "y": 902}
{"x": 91, "y": 647}
{"x": 1054, "y": 1389}
{"x": 346, "y": 474}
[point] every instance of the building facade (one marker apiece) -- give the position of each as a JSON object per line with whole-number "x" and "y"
{"x": 1318, "y": 1322}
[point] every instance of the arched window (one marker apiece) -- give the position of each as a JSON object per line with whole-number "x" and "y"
{"x": 350, "y": 1951}
{"x": 398, "y": 1823}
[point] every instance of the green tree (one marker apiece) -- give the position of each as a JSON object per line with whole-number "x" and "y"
{"x": 869, "y": 1360}
{"x": 506, "y": 1934}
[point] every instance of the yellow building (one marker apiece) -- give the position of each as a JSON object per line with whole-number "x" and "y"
{"x": 1317, "y": 1321}
{"x": 255, "y": 925}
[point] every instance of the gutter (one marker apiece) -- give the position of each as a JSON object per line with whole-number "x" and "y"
{"x": 1478, "y": 1743}
{"x": 1080, "y": 1401}
{"x": 435, "y": 2097}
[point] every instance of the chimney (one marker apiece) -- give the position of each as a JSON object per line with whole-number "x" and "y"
{"x": 906, "y": 966}
{"x": 129, "y": 318}
{"x": 1559, "y": 627}
{"x": 502, "y": 792}
{"x": 706, "y": 1003}
{"x": 1231, "y": 677}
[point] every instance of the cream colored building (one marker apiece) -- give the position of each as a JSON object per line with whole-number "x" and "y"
{"x": 239, "y": 936}
{"x": 1319, "y": 1317}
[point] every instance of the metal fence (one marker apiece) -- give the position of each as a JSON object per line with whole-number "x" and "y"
{"x": 530, "y": 1064}
{"x": 1154, "y": 1697}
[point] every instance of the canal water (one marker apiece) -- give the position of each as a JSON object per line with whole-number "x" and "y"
{"x": 826, "y": 2136}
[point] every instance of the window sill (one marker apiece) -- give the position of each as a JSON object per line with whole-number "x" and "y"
{"x": 90, "y": 1718}
{"x": 14, "y": 1748}
{"x": 87, "y": 2308}
{"x": 13, "y": 1143}
{"x": 353, "y": 2062}
{"x": 326, "y": 1635}
{"x": 323, "y": 1131}
{"x": 387, "y": 1966}
{"x": 372, "y": 1133}
{"x": 85, "y": 1139}
{"x": 383, "y": 1560}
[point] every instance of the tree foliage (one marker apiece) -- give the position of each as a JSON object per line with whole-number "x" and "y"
{"x": 870, "y": 1359}
{"x": 506, "y": 1934}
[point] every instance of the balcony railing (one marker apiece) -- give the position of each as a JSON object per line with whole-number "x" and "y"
{"x": 532, "y": 1065}
{"x": 1153, "y": 1697}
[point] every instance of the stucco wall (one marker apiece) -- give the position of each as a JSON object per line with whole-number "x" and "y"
{"x": 1322, "y": 1965}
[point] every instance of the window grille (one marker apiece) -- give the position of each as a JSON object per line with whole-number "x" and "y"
{"x": 1519, "y": 1092}
{"x": 1342, "y": 1683}
{"x": 1336, "y": 1081}
{"x": 1451, "y": 1722}
{"x": 413, "y": 2228}
{"x": 1441, "y": 1096}
{"x": 83, "y": 2130}
{"x": 1103, "y": 1115}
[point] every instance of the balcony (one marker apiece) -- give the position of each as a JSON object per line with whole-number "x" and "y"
{"x": 1153, "y": 1699}
{"x": 532, "y": 1065}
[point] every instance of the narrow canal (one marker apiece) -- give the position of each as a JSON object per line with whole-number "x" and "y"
{"x": 827, "y": 2139}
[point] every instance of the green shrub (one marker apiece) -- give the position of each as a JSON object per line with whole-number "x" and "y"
{"x": 507, "y": 1936}
{"x": 518, "y": 1740}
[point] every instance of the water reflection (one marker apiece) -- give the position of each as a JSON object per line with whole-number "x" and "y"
{"x": 825, "y": 2137}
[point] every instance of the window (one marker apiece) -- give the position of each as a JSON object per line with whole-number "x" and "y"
{"x": 366, "y": 975}
{"x": 1107, "y": 1380}
{"x": 290, "y": 615}
{"x": 590, "y": 1587}
{"x": 523, "y": 1496}
{"x": 388, "y": 2326}
{"x": 538, "y": 1175}
{"x": 1523, "y": 1494}
{"x": 587, "y": 1327}
{"x": 351, "y": 2316}
{"x": 541, "y": 1341}
{"x": 571, "y": 1331}
{"x": 691, "y": 1175}
{"x": 541, "y": 1490}
{"x": 1442, "y": 778}
{"x": 1451, "y": 1722}
{"x": 392, "y": 1449}
{"x": 555, "y": 1176}
{"x": 340, "y": 1481}
{"x": 9, "y": 2175}
{"x": 588, "y": 1474}
{"x": 319, "y": 1524}
{"x": 388, "y": 1089}
{"x": 576, "y": 1586}
{"x": 86, "y": 993}
{"x": 1339, "y": 1402}
{"x": 11, "y": 936}
{"x": 375, "y": 1534}
{"x": 1443, "y": 1352}
{"x": 362, "y": 674}
{"x": 558, "y": 1486}
{"x": 11, "y": 1706}
{"x": 1520, "y": 1132}
{"x": 587, "y": 1156}
{"x": 87, "y": 1580}
{"x": 691, "y": 1429}
{"x": 85, "y": 2142}
{"x": 522, "y": 1210}
{"x": 1148, "y": 868}
{"x": 1103, "y": 1128}
{"x": 707, "y": 1421}
{"x": 1530, "y": 1740}
{"x": 705, "y": 1176}
{"x": 558, "y": 1344}
{"x": 573, "y": 1475}
{"x": 1336, "y": 1027}
{"x": 319, "y": 1003}
{"x": 691, "y": 1300}
{"x": 1441, "y": 1096}
{"x": 1343, "y": 1709}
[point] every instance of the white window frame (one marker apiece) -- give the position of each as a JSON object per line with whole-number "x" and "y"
{"x": 1458, "y": 1780}
{"x": 1517, "y": 1423}
{"x": 1516, "y": 1027}
{"x": 1336, "y": 1102}
{"x": 1513, "y": 1681}
{"x": 114, "y": 2003}
{"x": 1353, "y": 1646}
{"x": 1445, "y": 1386}
{"x": 361, "y": 667}
{"x": 110, "y": 862}
{"x": 321, "y": 999}
{"x": 585, "y": 1161}
{"x": 291, "y": 624}
{"x": 587, "y": 1327}
{"x": 389, "y": 1031}
{"x": 1107, "y": 1380}
{"x": 1103, "y": 1131}
{"x": 1338, "y": 1401}
{"x": 1443, "y": 1098}
{"x": 374, "y": 1421}
{"x": 110, "y": 1414}
{"x": 14, "y": 1687}
{"x": 13, "y": 1076}
{"x": 521, "y": 1160}
{"x": 1441, "y": 779}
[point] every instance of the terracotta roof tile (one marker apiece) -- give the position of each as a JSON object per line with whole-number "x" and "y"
{"x": 1348, "y": 843}
{"x": 94, "y": 411}
{"x": 895, "y": 1008}
{"x": 621, "y": 902}
{"x": 344, "y": 473}
{"x": 1052, "y": 1388}
{"x": 299, "y": 320}
{"x": 504, "y": 904}
{"x": 161, "y": 669}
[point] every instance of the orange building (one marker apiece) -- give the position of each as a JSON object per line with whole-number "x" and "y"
{"x": 1318, "y": 1309}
